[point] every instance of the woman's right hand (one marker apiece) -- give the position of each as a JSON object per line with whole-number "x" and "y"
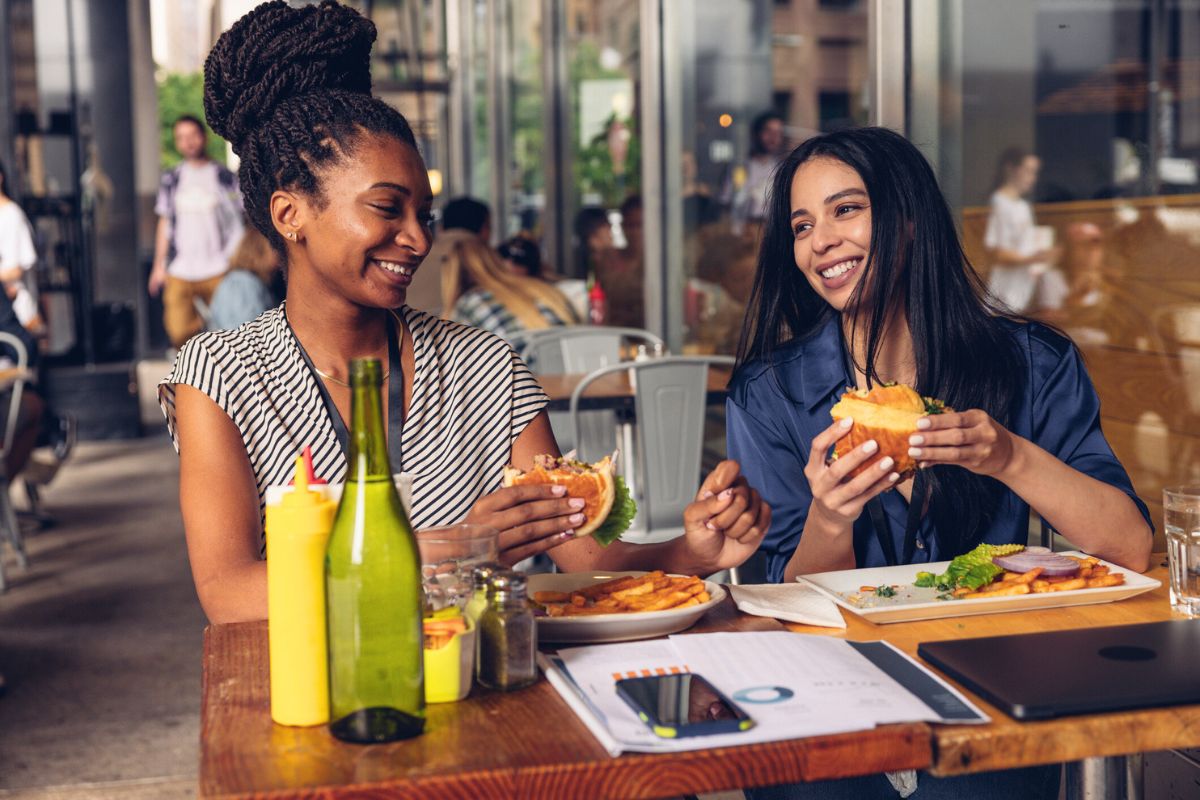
{"x": 531, "y": 519}
{"x": 837, "y": 499}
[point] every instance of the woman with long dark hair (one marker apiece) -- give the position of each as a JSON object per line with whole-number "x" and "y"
{"x": 861, "y": 280}
{"x": 333, "y": 178}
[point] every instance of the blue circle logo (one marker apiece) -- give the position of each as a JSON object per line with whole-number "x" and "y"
{"x": 763, "y": 695}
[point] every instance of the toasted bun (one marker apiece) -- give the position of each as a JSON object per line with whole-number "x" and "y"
{"x": 887, "y": 414}
{"x": 594, "y": 486}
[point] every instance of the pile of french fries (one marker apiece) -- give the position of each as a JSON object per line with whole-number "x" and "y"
{"x": 1092, "y": 575}
{"x": 654, "y": 591}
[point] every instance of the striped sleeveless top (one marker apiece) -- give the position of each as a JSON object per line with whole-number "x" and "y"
{"x": 472, "y": 396}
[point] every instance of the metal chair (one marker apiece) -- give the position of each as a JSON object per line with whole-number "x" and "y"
{"x": 575, "y": 350}
{"x": 670, "y": 395}
{"x": 9, "y": 529}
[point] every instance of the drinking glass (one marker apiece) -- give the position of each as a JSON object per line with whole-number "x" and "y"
{"x": 448, "y": 556}
{"x": 1181, "y": 512}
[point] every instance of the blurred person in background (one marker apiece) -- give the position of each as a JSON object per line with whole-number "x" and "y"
{"x": 747, "y": 190}
{"x": 17, "y": 259}
{"x": 460, "y": 214}
{"x": 1018, "y": 262}
{"x": 593, "y": 239}
{"x": 715, "y": 298}
{"x": 251, "y": 286}
{"x": 483, "y": 293}
{"x": 199, "y": 210}
{"x": 522, "y": 255}
{"x": 621, "y": 272}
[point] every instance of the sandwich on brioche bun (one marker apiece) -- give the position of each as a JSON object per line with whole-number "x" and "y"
{"x": 607, "y": 503}
{"x": 888, "y": 414}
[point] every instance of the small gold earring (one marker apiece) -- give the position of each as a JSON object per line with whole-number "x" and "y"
{"x": 291, "y": 235}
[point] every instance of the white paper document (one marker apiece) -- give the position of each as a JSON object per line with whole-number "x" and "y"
{"x": 792, "y": 685}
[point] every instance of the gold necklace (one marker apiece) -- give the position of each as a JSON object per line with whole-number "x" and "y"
{"x": 399, "y": 347}
{"x": 340, "y": 382}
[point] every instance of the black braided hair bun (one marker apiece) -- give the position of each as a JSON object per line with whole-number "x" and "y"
{"x": 277, "y": 53}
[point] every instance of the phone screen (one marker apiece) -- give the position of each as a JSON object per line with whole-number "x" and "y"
{"x": 681, "y": 703}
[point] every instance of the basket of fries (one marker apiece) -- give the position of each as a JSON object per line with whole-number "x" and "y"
{"x": 609, "y": 607}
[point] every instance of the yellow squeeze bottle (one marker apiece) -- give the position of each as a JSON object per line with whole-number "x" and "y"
{"x": 297, "y": 531}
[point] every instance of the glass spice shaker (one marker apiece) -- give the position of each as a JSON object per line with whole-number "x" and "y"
{"x": 507, "y": 636}
{"x": 481, "y": 576}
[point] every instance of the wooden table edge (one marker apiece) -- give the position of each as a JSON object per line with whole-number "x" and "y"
{"x": 644, "y": 775}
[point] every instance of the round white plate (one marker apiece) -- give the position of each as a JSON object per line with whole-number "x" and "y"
{"x": 613, "y": 627}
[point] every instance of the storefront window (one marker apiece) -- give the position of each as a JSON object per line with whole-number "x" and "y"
{"x": 1085, "y": 116}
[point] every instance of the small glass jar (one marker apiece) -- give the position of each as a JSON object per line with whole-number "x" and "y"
{"x": 507, "y": 636}
{"x": 481, "y": 576}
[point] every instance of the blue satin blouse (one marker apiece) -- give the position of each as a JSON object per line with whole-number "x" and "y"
{"x": 774, "y": 412}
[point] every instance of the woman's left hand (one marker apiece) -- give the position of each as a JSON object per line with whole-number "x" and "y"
{"x": 969, "y": 439}
{"x": 726, "y": 522}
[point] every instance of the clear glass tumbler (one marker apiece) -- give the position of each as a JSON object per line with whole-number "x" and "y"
{"x": 1181, "y": 518}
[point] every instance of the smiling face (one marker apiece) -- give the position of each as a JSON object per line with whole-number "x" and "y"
{"x": 831, "y": 225}
{"x": 367, "y": 234}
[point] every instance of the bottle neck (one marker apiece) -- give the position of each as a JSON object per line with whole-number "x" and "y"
{"x": 368, "y": 457}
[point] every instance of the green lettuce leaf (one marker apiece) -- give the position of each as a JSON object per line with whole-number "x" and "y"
{"x": 624, "y": 509}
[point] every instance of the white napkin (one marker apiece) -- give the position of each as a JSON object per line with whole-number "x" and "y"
{"x": 794, "y": 602}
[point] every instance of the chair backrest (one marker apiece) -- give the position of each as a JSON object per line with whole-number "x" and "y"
{"x": 670, "y": 397}
{"x": 18, "y": 386}
{"x": 576, "y": 349}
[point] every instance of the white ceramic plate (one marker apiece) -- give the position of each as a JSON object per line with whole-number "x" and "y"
{"x": 613, "y": 627}
{"x": 912, "y": 603}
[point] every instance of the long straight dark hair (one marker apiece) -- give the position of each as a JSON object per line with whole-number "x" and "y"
{"x": 964, "y": 355}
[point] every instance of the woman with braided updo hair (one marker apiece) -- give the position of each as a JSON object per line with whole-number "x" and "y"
{"x": 332, "y": 177}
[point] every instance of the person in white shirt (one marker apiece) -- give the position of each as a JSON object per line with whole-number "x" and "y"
{"x": 17, "y": 256}
{"x": 1018, "y": 261}
{"x": 199, "y": 211}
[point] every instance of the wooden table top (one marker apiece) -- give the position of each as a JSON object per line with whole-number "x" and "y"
{"x": 528, "y": 744}
{"x": 1006, "y": 742}
{"x": 613, "y": 391}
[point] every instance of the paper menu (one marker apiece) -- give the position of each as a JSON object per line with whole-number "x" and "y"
{"x": 792, "y": 685}
{"x": 827, "y": 676}
{"x": 594, "y": 671}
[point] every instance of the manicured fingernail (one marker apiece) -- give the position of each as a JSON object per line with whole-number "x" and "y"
{"x": 895, "y": 476}
{"x": 558, "y": 491}
{"x": 923, "y": 423}
{"x": 923, "y": 465}
{"x": 577, "y": 502}
{"x": 575, "y": 519}
{"x": 886, "y": 462}
{"x": 870, "y": 447}
{"x": 915, "y": 452}
{"x": 847, "y": 422}
{"x": 916, "y": 438}
{"x": 725, "y": 495}
{"x": 567, "y": 535}
{"x": 710, "y": 526}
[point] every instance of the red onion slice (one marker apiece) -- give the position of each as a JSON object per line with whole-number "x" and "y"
{"x": 1052, "y": 564}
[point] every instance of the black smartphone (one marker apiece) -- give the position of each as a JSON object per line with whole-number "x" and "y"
{"x": 682, "y": 705}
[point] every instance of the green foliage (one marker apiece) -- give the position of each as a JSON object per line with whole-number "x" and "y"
{"x": 182, "y": 93}
{"x": 620, "y": 518}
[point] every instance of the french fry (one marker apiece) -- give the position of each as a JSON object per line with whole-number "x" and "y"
{"x": 1040, "y": 586}
{"x": 1106, "y": 580}
{"x": 1066, "y": 586}
{"x": 551, "y": 597}
{"x": 607, "y": 587}
{"x": 1012, "y": 576}
{"x": 1006, "y": 591}
{"x": 1028, "y": 577}
{"x": 1099, "y": 571}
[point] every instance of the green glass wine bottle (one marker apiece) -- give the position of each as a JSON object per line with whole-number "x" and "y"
{"x": 373, "y": 587}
